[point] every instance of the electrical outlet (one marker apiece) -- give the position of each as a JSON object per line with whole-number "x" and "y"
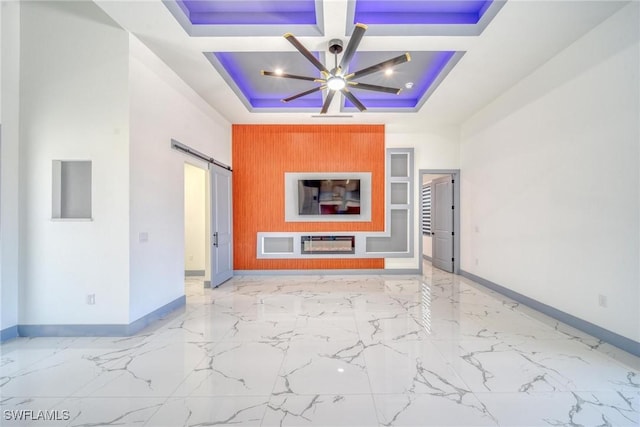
{"x": 602, "y": 301}
{"x": 477, "y": 262}
{"x": 91, "y": 299}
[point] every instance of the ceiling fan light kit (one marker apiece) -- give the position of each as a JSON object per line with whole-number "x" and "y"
{"x": 335, "y": 80}
{"x": 336, "y": 83}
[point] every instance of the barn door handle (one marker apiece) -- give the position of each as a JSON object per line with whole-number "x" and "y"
{"x": 215, "y": 239}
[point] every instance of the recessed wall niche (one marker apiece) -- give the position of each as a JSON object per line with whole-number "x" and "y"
{"x": 71, "y": 189}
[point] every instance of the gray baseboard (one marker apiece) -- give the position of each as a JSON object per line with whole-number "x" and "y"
{"x": 115, "y": 330}
{"x": 344, "y": 272}
{"x": 146, "y": 320}
{"x": 207, "y": 283}
{"x": 427, "y": 257}
{"x": 189, "y": 273}
{"x": 605, "y": 335}
{"x": 9, "y": 333}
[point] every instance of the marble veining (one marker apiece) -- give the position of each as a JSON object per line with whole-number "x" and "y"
{"x": 359, "y": 350}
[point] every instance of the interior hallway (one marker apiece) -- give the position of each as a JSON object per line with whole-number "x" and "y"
{"x": 329, "y": 350}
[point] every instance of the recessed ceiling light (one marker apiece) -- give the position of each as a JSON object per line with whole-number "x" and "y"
{"x": 278, "y": 71}
{"x": 388, "y": 71}
{"x": 408, "y": 85}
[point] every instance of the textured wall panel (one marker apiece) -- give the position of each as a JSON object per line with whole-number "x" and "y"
{"x": 261, "y": 156}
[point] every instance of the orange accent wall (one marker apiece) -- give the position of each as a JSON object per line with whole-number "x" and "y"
{"x": 263, "y": 153}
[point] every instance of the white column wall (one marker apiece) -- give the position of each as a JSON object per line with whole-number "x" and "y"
{"x": 163, "y": 107}
{"x": 434, "y": 148}
{"x": 9, "y": 161}
{"x": 550, "y": 181}
{"x": 74, "y": 106}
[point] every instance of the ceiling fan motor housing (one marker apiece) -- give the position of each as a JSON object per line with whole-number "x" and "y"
{"x": 335, "y": 46}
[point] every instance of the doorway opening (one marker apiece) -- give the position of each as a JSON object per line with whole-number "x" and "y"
{"x": 439, "y": 218}
{"x": 196, "y": 224}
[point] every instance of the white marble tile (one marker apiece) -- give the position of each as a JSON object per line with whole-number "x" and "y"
{"x": 498, "y": 366}
{"x": 415, "y": 410}
{"x": 411, "y": 367}
{"x": 90, "y": 412}
{"x": 319, "y": 366}
{"x": 151, "y": 369}
{"x": 578, "y": 367}
{"x": 369, "y": 306}
{"x": 20, "y": 353}
{"x": 58, "y": 375}
{"x": 513, "y": 324}
{"x": 330, "y": 350}
{"x": 210, "y": 411}
{"x": 452, "y": 327}
{"x": 320, "y": 410}
{"x": 563, "y": 408}
{"x": 390, "y": 327}
{"x": 202, "y": 325}
{"x": 258, "y": 331}
{"x": 235, "y": 369}
{"x": 342, "y": 321}
{"x": 564, "y": 331}
{"x": 28, "y": 411}
{"x": 626, "y": 359}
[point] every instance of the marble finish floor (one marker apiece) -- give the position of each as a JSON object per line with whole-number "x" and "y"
{"x": 436, "y": 350}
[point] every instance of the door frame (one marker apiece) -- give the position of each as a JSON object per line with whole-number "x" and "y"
{"x": 209, "y": 162}
{"x": 207, "y": 213}
{"x": 455, "y": 173}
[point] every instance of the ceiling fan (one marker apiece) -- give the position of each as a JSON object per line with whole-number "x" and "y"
{"x": 335, "y": 79}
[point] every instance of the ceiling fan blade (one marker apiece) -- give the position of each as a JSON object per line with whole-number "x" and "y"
{"x": 327, "y": 101}
{"x": 356, "y": 37}
{"x": 306, "y": 92}
{"x": 375, "y": 88}
{"x": 291, "y": 76}
{"x": 351, "y": 97}
{"x": 381, "y": 66}
{"x": 303, "y": 50}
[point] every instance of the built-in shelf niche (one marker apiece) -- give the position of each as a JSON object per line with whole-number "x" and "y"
{"x": 71, "y": 190}
{"x": 398, "y": 238}
{"x": 399, "y": 193}
{"x": 278, "y": 245}
{"x": 399, "y": 165}
{"x": 396, "y": 241}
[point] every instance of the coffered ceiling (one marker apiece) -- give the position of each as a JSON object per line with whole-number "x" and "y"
{"x": 464, "y": 53}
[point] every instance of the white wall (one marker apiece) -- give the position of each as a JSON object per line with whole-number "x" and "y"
{"x": 9, "y": 160}
{"x": 74, "y": 106}
{"x": 163, "y": 107}
{"x": 194, "y": 216}
{"x": 551, "y": 168}
{"x": 89, "y": 91}
{"x": 434, "y": 148}
{"x": 1, "y": 54}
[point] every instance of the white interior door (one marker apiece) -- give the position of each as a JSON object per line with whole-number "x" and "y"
{"x": 442, "y": 225}
{"x": 221, "y": 226}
